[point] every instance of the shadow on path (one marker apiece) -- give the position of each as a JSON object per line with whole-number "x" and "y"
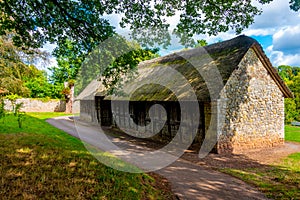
{"x": 188, "y": 180}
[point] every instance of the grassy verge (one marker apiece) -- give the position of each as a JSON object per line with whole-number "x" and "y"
{"x": 39, "y": 161}
{"x": 292, "y": 133}
{"x": 280, "y": 181}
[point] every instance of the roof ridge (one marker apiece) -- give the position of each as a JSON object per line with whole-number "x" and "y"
{"x": 238, "y": 41}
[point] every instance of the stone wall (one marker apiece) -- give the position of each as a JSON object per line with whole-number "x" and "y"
{"x": 254, "y": 116}
{"x": 36, "y": 105}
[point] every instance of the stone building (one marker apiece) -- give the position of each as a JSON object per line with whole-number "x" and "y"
{"x": 238, "y": 93}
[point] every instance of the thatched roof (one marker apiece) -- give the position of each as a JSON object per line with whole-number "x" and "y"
{"x": 90, "y": 91}
{"x": 200, "y": 71}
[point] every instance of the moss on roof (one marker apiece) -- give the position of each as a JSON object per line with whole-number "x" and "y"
{"x": 171, "y": 77}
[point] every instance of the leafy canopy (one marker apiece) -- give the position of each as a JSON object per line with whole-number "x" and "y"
{"x": 110, "y": 62}
{"x": 17, "y": 74}
{"x": 69, "y": 60}
{"x": 84, "y": 21}
{"x": 291, "y": 76}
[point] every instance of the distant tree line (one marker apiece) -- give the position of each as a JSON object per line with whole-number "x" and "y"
{"x": 291, "y": 76}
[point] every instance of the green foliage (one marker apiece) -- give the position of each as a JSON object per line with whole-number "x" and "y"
{"x": 12, "y": 97}
{"x": 40, "y": 87}
{"x": 125, "y": 67}
{"x": 288, "y": 73}
{"x": 13, "y": 70}
{"x": 84, "y": 21}
{"x": 36, "y": 21}
{"x": 112, "y": 60}
{"x": 290, "y": 110}
{"x": 201, "y": 43}
{"x": 295, "y": 5}
{"x": 291, "y": 76}
{"x": 69, "y": 60}
{"x": 18, "y": 78}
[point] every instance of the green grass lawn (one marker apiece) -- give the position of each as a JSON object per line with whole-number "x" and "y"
{"x": 292, "y": 133}
{"x": 39, "y": 161}
{"x": 278, "y": 181}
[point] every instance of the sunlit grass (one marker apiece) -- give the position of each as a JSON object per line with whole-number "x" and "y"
{"x": 280, "y": 181}
{"x": 39, "y": 161}
{"x": 292, "y": 133}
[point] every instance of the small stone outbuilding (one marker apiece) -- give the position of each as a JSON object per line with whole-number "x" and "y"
{"x": 250, "y": 101}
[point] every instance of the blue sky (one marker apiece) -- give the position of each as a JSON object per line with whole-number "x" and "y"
{"x": 277, "y": 30}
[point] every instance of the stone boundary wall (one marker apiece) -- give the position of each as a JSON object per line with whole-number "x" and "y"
{"x": 36, "y": 105}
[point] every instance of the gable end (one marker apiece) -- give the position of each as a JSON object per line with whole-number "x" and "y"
{"x": 272, "y": 71}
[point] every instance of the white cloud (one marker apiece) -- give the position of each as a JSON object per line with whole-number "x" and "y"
{"x": 277, "y": 21}
{"x": 275, "y": 15}
{"x": 280, "y": 58}
{"x": 221, "y": 37}
{"x": 260, "y": 31}
{"x": 286, "y": 46}
{"x": 282, "y": 24}
{"x": 287, "y": 40}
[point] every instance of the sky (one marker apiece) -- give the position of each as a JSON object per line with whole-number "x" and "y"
{"x": 277, "y": 29}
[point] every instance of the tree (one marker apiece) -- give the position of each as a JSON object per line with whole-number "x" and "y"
{"x": 83, "y": 21}
{"x": 201, "y": 43}
{"x": 71, "y": 69}
{"x": 287, "y": 73}
{"x": 124, "y": 65}
{"x": 74, "y": 65}
{"x": 18, "y": 76}
{"x": 290, "y": 110}
{"x": 40, "y": 87}
{"x": 84, "y": 25}
{"x": 13, "y": 67}
{"x": 291, "y": 76}
{"x": 69, "y": 60}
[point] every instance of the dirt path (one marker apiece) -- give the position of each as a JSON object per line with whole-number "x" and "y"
{"x": 248, "y": 159}
{"x": 191, "y": 181}
{"x": 191, "y": 177}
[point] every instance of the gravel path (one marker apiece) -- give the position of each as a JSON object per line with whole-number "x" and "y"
{"x": 188, "y": 180}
